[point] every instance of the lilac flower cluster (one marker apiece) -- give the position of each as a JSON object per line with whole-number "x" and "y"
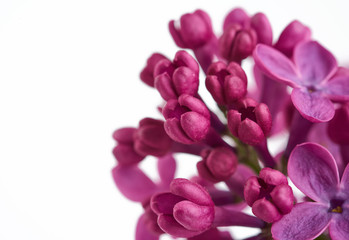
{"x": 314, "y": 116}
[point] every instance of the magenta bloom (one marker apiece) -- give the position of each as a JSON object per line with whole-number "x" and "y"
{"x": 181, "y": 76}
{"x": 187, "y": 119}
{"x": 242, "y": 33}
{"x": 186, "y": 211}
{"x": 314, "y": 171}
{"x": 226, "y": 83}
{"x": 312, "y": 76}
{"x": 250, "y": 122}
{"x": 269, "y": 195}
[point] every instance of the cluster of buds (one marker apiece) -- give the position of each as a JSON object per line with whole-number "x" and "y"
{"x": 232, "y": 140}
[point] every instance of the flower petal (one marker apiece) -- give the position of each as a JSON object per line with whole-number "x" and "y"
{"x": 133, "y": 183}
{"x": 312, "y": 106}
{"x": 339, "y": 227}
{"x": 337, "y": 88}
{"x": 306, "y": 221}
{"x": 345, "y": 181}
{"x": 276, "y": 65}
{"x": 313, "y": 170}
{"x": 142, "y": 232}
{"x": 315, "y": 63}
{"x": 169, "y": 225}
{"x": 167, "y": 169}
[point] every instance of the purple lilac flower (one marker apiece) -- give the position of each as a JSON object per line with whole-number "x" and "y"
{"x": 242, "y": 33}
{"x": 187, "y": 119}
{"x": 312, "y": 76}
{"x": 314, "y": 171}
{"x": 226, "y": 83}
{"x": 250, "y": 121}
{"x": 217, "y": 164}
{"x": 147, "y": 74}
{"x": 269, "y": 195}
{"x": 181, "y": 76}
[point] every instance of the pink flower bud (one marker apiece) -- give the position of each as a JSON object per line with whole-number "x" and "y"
{"x": 151, "y": 139}
{"x": 237, "y": 43}
{"x": 218, "y": 164}
{"x": 269, "y": 195}
{"x": 187, "y": 119}
{"x": 147, "y": 74}
{"x": 294, "y": 33}
{"x": 124, "y": 152}
{"x": 178, "y": 77}
{"x": 250, "y": 122}
{"x": 194, "y": 31}
{"x": 227, "y": 84}
{"x": 186, "y": 211}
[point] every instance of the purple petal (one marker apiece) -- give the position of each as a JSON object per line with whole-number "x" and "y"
{"x": 236, "y": 16}
{"x": 345, "y": 181}
{"x": 174, "y": 130}
{"x": 163, "y": 203}
{"x": 185, "y": 81}
{"x": 164, "y": 85}
{"x": 250, "y": 132}
{"x": 337, "y": 88}
{"x": 306, "y": 221}
{"x": 192, "y": 216}
{"x": 276, "y": 65}
{"x": 294, "y": 33}
{"x": 191, "y": 191}
{"x": 167, "y": 169}
{"x": 142, "y": 232}
{"x": 339, "y": 227}
{"x": 194, "y": 104}
{"x": 169, "y": 225}
{"x": 265, "y": 210}
{"x": 315, "y": 63}
{"x": 133, "y": 183}
{"x": 312, "y": 106}
{"x": 124, "y": 135}
{"x": 313, "y": 170}
{"x": 261, "y": 24}
{"x": 125, "y": 154}
{"x": 195, "y": 125}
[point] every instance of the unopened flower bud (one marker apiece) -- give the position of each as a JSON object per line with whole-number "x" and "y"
{"x": 186, "y": 211}
{"x": 226, "y": 83}
{"x": 147, "y": 74}
{"x": 269, "y": 195}
{"x": 250, "y": 122}
{"x": 178, "y": 77}
{"x": 151, "y": 139}
{"x": 187, "y": 119}
{"x": 124, "y": 151}
{"x": 194, "y": 31}
{"x": 218, "y": 164}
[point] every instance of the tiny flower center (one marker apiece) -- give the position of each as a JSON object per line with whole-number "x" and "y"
{"x": 336, "y": 205}
{"x": 338, "y": 209}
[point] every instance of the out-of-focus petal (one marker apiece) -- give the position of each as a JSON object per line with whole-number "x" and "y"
{"x": 313, "y": 170}
{"x": 339, "y": 227}
{"x": 337, "y": 88}
{"x": 142, "y": 232}
{"x": 312, "y": 106}
{"x": 306, "y": 221}
{"x": 167, "y": 169}
{"x": 133, "y": 183}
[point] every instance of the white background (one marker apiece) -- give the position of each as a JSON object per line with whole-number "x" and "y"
{"x": 69, "y": 77}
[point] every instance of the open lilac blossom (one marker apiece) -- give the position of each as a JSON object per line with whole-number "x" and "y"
{"x": 269, "y": 195}
{"x": 178, "y": 77}
{"x": 250, "y": 121}
{"x": 218, "y": 164}
{"x": 187, "y": 119}
{"x": 312, "y": 76}
{"x": 242, "y": 33}
{"x": 226, "y": 83}
{"x": 313, "y": 170}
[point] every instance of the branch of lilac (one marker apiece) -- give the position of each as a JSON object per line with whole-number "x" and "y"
{"x": 233, "y": 141}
